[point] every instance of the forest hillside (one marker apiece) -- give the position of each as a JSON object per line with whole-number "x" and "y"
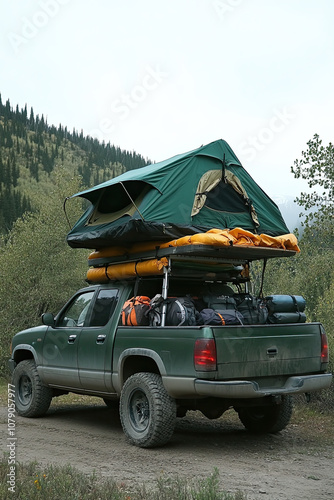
{"x": 30, "y": 151}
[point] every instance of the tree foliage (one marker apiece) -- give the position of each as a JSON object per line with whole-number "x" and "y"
{"x": 317, "y": 167}
{"x": 313, "y": 269}
{"x": 38, "y": 270}
{"x": 308, "y": 273}
{"x": 311, "y": 273}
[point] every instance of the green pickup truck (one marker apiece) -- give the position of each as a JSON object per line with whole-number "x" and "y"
{"x": 155, "y": 374}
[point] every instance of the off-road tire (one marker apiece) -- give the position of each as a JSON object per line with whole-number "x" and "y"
{"x": 267, "y": 419}
{"x": 32, "y": 398}
{"x": 147, "y": 412}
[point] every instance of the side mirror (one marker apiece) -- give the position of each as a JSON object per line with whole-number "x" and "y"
{"x": 48, "y": 319}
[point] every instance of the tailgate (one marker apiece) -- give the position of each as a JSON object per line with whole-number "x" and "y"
{"x": 267, "y": 350}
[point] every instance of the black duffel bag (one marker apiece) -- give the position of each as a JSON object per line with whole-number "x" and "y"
{"x": 253, "y": 310}
{"x": 219, "y": 317}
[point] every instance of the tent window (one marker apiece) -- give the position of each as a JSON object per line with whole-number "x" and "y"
{"x": 226, "y": 195}
{"x": 115, "y": 203}
{"x": 114, "y": 198}
{"x": 225, "y": 199}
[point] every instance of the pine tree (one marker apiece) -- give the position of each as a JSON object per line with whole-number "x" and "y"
{"x": 25, "y": 115}
{"x": 31, "y": 118}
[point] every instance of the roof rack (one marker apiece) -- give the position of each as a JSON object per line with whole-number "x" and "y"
{"x": 191, "y": 262}
{"x": 230, "y": 254}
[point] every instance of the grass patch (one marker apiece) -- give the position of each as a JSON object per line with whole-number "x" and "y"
{"x": 3, "y": 391}
{"x": 313, "y": 424}
{"x": 33, "y": 481}
{"x": 76, "y": 399}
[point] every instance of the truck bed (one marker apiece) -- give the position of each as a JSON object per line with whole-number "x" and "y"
{"x": 252, "y": 360}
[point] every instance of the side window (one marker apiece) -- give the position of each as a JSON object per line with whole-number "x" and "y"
{"x": 77, "y": 311}
{"x": 104, "y": 307}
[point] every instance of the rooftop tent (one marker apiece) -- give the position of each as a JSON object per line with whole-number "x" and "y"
{"x": 186, "y": 194}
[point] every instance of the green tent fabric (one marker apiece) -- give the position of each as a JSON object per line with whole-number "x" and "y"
{"x": 189, "y": 193}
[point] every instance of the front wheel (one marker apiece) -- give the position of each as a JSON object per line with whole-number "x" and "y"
{"x": 267, "y": 419}
{"x": 147, "y": 412}
{"x": 32, "y": 398}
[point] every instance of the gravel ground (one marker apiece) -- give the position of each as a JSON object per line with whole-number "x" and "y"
{"x": 291, "y": 465}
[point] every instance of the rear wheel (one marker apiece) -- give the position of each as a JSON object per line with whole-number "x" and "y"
{"x": 32, "y": 398}
{"x": 267, "y": 419}
{"x": 147, "y": 412}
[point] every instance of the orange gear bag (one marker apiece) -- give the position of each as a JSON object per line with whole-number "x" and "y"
{"x": 135, "y": 311}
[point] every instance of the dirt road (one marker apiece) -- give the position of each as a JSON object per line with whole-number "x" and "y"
{"x": 288, "y": 466}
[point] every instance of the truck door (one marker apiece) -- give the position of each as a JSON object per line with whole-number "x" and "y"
{"x": 60, "y": 347}
{"x": 95, "y": 343}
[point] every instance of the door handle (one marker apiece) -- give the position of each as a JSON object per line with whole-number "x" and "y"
{"x": 71, "y": 339}
{"x": 100, "y": 339}
{"x": 272, "y": 352}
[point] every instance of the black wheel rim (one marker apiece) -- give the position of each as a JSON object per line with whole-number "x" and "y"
{"x": 139, "y": 411}
{"x": 25, "y": 390}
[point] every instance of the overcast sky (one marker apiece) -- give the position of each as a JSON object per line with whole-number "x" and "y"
{"x": 165, "y": 77}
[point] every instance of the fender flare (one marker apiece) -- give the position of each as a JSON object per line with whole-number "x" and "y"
{"x": 25, "y": 347}
{"x": 30, "y": 348}
{"x": 117, "y": 376}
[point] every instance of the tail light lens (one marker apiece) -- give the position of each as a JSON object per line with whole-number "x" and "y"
{"x": 324, "y": 347}
{"x": 205, "y": 355}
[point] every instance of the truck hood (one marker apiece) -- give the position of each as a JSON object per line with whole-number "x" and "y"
{"x": 19, "y": 337}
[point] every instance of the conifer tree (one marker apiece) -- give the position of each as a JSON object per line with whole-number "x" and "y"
{"x": 31, "y": 118}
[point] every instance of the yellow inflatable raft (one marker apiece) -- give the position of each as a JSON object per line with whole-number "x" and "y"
{"x": 214, "y": 237}
{"x": 127, "y": 270}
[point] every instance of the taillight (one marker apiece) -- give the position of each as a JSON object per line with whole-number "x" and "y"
{"x": 205, "y": 355}
{"x": 324, "y": 347}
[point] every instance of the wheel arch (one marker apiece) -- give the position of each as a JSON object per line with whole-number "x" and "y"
{"x": 133, "y": 361}
{"x": 23, "y": 352}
